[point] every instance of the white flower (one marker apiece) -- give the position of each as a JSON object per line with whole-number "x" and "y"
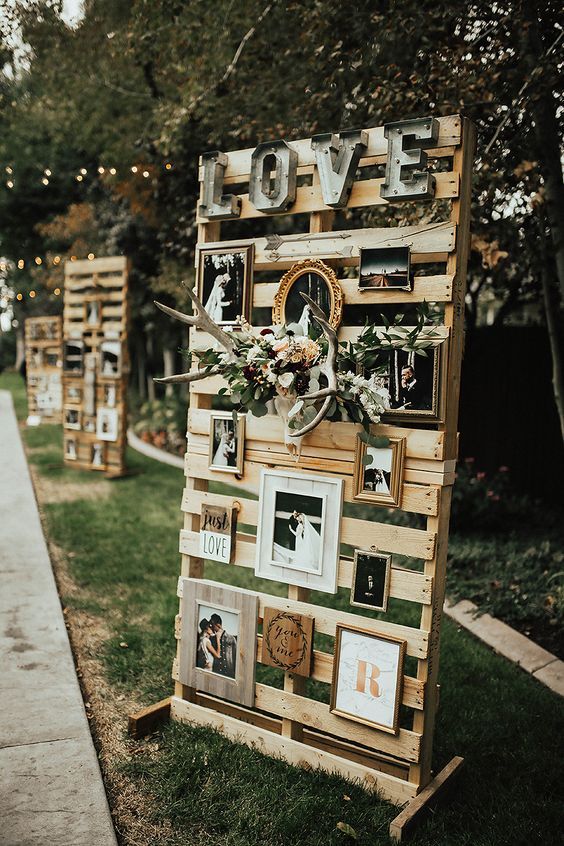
{"x": 254, "y": 353}
{"x": 285, "y": 380}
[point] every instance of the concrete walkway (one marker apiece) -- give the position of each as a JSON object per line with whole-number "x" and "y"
{"x": 51, "y": 789}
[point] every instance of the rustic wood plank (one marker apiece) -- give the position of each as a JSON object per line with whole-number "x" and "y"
{"x": 403, "y": 824}
{"x": 98, "y": 265}
{"x": 404, "y": 584}
{"x": 364, "y": 193}
{"x": 293, "y": 751}
{"x": 317, "y": 715}
{"x": 146, "y": 721}
{"x": 344, "y": 245}
{"x": 431, "y": 289}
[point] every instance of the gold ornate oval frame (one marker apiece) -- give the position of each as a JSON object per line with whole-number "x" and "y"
{"x": 309, "y": 266}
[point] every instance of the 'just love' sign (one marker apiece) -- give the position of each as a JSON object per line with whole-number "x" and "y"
{"x": 218, "y": 525}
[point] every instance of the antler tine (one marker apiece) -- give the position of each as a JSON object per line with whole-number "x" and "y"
{"x": 329, "y": 369}
{"x": 200, "y": 320}
{"x": 194, "y": 376}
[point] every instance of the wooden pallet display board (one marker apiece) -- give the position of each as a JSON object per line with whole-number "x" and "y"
{"x": 287, "y": 723}
{"x": 95, "y": 364}
{"x": 44, "y": 362}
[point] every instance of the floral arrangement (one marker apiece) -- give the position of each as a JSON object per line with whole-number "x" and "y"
{"x": 280, "y": 365}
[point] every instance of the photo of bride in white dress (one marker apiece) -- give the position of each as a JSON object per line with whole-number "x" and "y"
{"x": 298, "y": 529}
{"x": 223, "y": 284}
{"x": 226, "y": 443}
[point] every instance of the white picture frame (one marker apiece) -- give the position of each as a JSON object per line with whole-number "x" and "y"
{"x": 298, "y": 529}
{"x": 107, "y": 424}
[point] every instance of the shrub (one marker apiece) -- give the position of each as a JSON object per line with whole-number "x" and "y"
{"x": 162, "y": 422}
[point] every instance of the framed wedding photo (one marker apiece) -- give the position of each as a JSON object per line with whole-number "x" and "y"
{"x": 219, "y": 636}
{"x": 110, "y": 358}
{"x": 416, "y": 384}
{"x": 371, "y": 580}
{"x": 73, "y": 354}
{"x": 384, "y": 268}
{"x": 225, "y": 281}
{"x": 107, "y": 424}
{"x": 70, "y": 449}
{"x": 367, "y": 678}
{"x": 378, "y": 472}
{"x": 298, "y": 529}
{"x": 227, "y": 442}
{"x": 316, "y": 279}
{"x": 72, "y": 418}
{"x": 98, "y": 456}
{"x": 92, "y": 313}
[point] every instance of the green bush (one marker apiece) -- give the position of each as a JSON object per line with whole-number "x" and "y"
{"x": 162, "y": 422}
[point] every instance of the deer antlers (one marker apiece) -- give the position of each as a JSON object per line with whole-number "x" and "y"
{"x": 201, "y": 320}
{"x": 329, "y": 369}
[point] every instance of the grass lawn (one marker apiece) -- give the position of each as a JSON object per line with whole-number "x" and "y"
{"x": 114, "y": 546}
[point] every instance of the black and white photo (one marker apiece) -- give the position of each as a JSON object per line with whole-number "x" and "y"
{"x": 298, "y": 529}
{"x": 97, "y": 455}
{"x": 371, "y": 580}
{"x": 73, "y": 353}
{"x": 107, "y": 424}
{"x": 217, "y": 634}
{"x": 224, "y": 280}
{"x": 72, "y": 418}
{"x": 414, "y": 383}
{"x": 227, "y": 443}
{"x": 70, "y": 449}
{"x": 379, "y": 471}
{"x": 109, "y": 396}
{"x": 384, "y": 267}
{"x": 320, "y": 283}
{"x": 110, "y": 358}
{"x": 93, "y": 313}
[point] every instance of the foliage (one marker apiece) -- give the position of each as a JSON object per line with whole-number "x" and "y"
{"x": 162, "y": 422}
{"x": 283, "y": 362}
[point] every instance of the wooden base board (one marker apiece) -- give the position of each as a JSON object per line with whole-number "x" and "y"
{"x": 297, "y": 753}
{"x": 144, "y": 722}
{"x": 402, "y": 825}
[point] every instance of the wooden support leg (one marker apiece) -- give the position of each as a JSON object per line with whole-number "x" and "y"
{"x": 404, "y": 823}
{"x": 144, "y": 722}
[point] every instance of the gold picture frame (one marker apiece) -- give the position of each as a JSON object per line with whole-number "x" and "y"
{"x": 236, "y": 263}
{"x": 296, "y": 272}
{"x": 384, "y": 485}
{"x": 358, "y": 683}
{"x": 370, "y": 586}
{"x": 222, "y": 425}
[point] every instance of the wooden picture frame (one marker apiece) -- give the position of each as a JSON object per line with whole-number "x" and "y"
{"x": 218, "y": 532}
{"x": 384, "y": 269}
{"x": 72, "y": 418}
{"x": 71, "y": 451}
{"x": 224, "y": 282}
{"x": 367, "y": 682}
{"x": 73, "y": 393}
{"x": 298, "y": 529}
{"x": 289, "y": 307}
{"x": 73, "y": 357}
{"x": 226, "y": 442}
{"x": 381, "y": 481}
{"x": 232, "y": 675}
{"x": 371, "y": 580}
{"x": 93, "y": 316}
{"x": 434, "y": 394}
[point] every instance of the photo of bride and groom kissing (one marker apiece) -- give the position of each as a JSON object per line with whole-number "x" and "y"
{"x": 298, "y": 529}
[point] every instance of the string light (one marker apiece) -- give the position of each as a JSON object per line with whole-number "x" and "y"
{"x": 47, "y": 172}
{"x": 8, "y": 170}
{"x": 168, "y": 166}
{"x": 38, "y": 260}
{"x": 19, "y": 297}
{"x": 134, "y": 169}
{"x": 113, "y": 171}
{"x": 32, "y": 294}
{"x": 21, "y": 264}
{"x": 79, "y": 178}
{"x": 45, "y": 181}
{"x": 9, "y": 183}
{"x": 101, "y": 169}
{"x": 90, "y": 256}
{"x": 145, "y": 173}
{"x": 83, "y": 171}
{"x": 57, "y": 260}
{"x": 57, "y": 291}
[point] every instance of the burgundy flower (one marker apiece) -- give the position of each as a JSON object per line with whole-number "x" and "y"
{"x": 266, "y": 331}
